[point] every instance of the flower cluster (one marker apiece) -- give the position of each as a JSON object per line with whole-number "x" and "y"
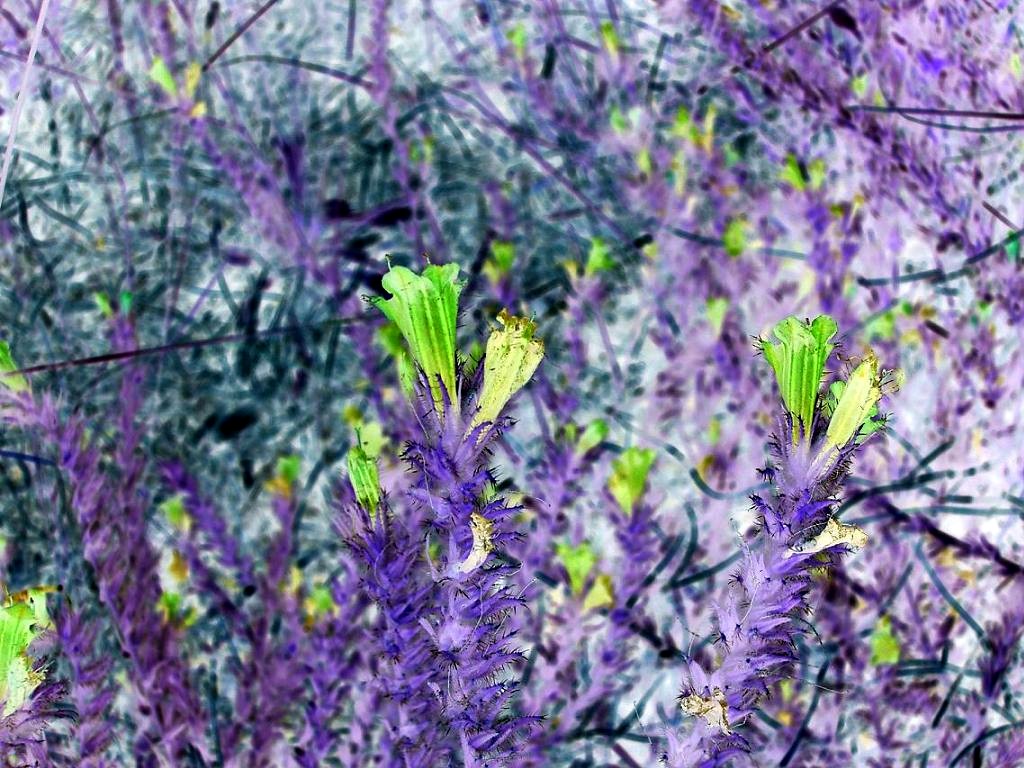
{"x": 251, "y": 518}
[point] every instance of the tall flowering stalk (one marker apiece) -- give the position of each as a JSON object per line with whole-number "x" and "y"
{"x": 762, "y": 616}
{"x": 447, "y": 642}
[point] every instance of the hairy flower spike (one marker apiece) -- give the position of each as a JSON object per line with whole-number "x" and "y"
{"x": 798, "y": 359}
{"x": 425, "y": 308}
{"x": 513, "y": 355}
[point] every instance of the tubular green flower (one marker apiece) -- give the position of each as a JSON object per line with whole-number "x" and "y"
{"x": 513, "y": 355}
{"x": 425, "y": 308}
{"x": 798, "y": 359}
{"x": 859, "y": 397}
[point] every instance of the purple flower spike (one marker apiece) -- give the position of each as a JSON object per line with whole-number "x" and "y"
{"x": 762, "y": 616}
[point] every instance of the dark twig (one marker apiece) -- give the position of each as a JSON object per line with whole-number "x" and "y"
{"x": 185, "y": 344}
{"x": 239, "y": 32}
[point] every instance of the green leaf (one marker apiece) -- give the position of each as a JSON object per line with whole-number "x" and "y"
{"x": 103, "y": 304}
{"x": 885, "y": 647}
{"x": 817, "y": 171}
{"x": 714, "y": 431}
{"x": 734, "y": 238}
{"x": 425, "y": 308}
{"x": 882, "y": 326}
{"x": 512, "y": 356}
{"x": 798, "y": 359}
{"x": 192, "y": 74}
{"x": 683, "y": 123}
{"x": 600, "y": 257}
{"x": 643, "y": 162}
{"x": 792, "y": 174}
{"x": 578, "y": 562}
{"x": 173, "y": 510}
{"x": 592, "y": 436}
{"x": 169, "y": 605}
{"x": 517, "y": 36}
{"x": 503, "y": 253}
{"x": 288, "y": 468}
{"x": 618, "y": 120}
{"x": 320, "y": 602}
{"x": 601, "y": 594}
{"x": 17, "y": 382}
{"x": 161, "y": 75}
{"x": 629, "y": 476}
{"x": 715, "y": 310}
{"x": 610, "y": 37}
{"x": 1013, "y": 248}
{"x": 501, "y": 260}
{"x": 365, "y": 479}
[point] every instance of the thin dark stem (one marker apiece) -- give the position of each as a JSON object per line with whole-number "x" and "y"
{"x": 1015, "y": 116}
{"x": 785, "y": 38}
{"x": 185, "y": 344}
{"x": 239, "y": 32}
{"x": 999, "y": 215}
